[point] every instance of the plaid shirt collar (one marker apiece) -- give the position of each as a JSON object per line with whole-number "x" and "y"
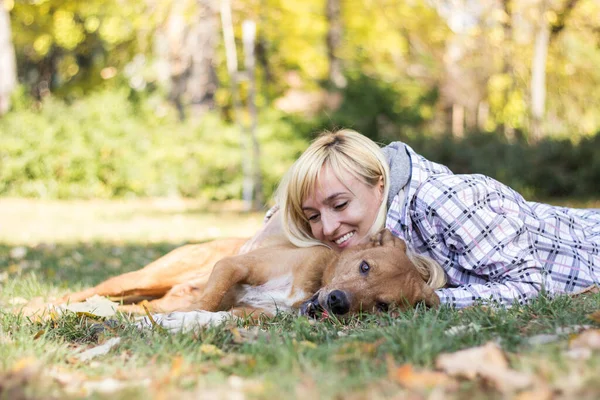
{"x": 398, "y": 219}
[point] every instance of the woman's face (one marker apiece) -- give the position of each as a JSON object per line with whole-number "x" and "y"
{"x": 342, "y": 211}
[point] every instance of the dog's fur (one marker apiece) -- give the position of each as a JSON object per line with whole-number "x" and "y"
{"x": 275, "y": 277}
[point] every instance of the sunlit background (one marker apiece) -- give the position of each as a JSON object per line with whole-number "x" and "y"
{"x": 214, "y": 99}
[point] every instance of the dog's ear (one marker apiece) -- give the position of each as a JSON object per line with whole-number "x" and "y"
{"x": 386, "y": 238}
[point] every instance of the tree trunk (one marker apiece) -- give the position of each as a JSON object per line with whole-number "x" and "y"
{"x": 202, "y": 83}
{"x": 507, "y": 65}
{"x": 188, "y": 50}
{"x": 333, "y": 40}
{"x": 458, "y": 120}
{"x": 249, "y": 39}
{"x": 8, "y": 70}
{"x": 538, "y": 78}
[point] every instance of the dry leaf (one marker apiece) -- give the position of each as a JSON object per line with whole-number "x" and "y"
{"x": 96, "y": 306}
{"x": 487, "y": 362}
{"x": 98, "y": 350}
{"x": 538, "y": 393}
{"x": 176, "y": 366}
{"x": 38, "y": 334}
{"x": 406, "y": 376}
{"x": 210, "y": 350}
{"x": 352, "y": 350}
{"x": 17, "y": 253}
{"x": 455, "y": 330}
{"x": 589, "y": 339}
{"x": 16, "y": 301}
{"x": 588, "y": 290}
{"x": 242, "y": 335}
{"x": 595, "y": 316}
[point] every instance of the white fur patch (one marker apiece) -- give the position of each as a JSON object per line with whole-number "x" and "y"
{"x": 273, "y": 296}
{"x": 186, "y": 321}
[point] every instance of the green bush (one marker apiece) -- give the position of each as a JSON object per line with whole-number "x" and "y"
{"x": 553, "y": 168}
{"x": 105, "y": 146}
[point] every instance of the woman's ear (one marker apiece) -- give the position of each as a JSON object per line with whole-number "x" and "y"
{"x": 380, "y": 188}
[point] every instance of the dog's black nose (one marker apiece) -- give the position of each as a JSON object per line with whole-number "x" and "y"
{"x": 337, "y": 302}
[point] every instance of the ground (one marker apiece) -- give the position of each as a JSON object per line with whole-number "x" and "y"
{"x": 548, "y": 349}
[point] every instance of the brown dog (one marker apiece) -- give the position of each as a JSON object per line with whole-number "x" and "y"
{"x": 274, "y": 277}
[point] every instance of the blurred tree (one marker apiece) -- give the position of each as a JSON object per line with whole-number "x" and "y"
{"x": 186, "y": 45}
{"x": 546, "y": 30}
{"x": 8, "y": 73}
{"x": 334, "y": 39}
{"x": 71, "y": 47}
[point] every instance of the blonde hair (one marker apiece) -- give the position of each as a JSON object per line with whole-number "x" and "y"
{"x": 429, "y": 269}
{"x": 343, "y": 151}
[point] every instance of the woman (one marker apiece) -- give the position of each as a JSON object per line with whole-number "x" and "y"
{"x": 477, "y": 238}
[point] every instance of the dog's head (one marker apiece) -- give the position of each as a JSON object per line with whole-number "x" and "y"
{"x": 371, "y": 277}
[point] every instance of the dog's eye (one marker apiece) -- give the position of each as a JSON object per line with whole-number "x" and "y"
{"x": 364, "y": 267}
{"x": 381, "y": 306}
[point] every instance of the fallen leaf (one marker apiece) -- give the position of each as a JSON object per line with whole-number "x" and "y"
{"x": 39, "y": 334}
{"x": 96, "y": 305}
{"x": 353, "y": 350}
{"x": 589, "y": 339}
{"x": 455, "y": 330}
{"x": 304, "y": 344}
{"x": 541, "y": 339}
{"x": 487, "y": 362}
{"x": 406, "y": 376}
{"x": 538, "y": 393}
{"x": 15, "y": 301}
{"x": 595, "y": 316}
{"x": 240, "y": 384}
{"x": 98, "y": 350}
{"x": 210, "y": 350}
{"x": 242, "y": 335}
{"x": 13, "y": 385}
{"x": 17, "y": 253}
{"x": 590, "y": 289}
{"x": 176, "y": 366}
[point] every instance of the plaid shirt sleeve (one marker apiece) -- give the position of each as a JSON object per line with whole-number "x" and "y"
{"x": 471, "y": 225}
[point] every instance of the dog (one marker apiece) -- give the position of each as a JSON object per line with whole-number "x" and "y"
{"x": 183, "y": 290}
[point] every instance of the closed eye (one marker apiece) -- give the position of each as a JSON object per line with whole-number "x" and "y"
{"x": 313, "y": 218}
{"x": 341, "y": 206}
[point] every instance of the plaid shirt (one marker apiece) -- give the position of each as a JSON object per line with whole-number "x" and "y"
{"x": 490, "y": 241}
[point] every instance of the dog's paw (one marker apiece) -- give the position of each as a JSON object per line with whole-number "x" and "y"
{"x": 184, "y": 321}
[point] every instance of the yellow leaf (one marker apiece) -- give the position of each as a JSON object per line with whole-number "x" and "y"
{"x": 589, "y": 339}
{"x": 176, "y": 366}
{"x": 38, "y": 334}
{"x": 406, "y": 376}
{"x": 95, "y": 306}
{"x": 595, "y": 316}
{"x": 210, "y": 350}
{"x": 487, "y": 362}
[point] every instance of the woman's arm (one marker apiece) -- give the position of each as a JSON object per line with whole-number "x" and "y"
{"x": 475, "y": 228}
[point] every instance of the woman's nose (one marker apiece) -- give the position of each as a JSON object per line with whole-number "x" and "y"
{"x": 330, "y": 224}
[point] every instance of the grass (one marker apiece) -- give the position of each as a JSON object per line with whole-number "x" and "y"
{"x": 284, "y": 356}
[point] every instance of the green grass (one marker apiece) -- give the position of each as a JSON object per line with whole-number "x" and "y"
{"x": 282, "y": 357}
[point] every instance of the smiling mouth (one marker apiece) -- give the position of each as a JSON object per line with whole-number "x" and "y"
{"x": 344, "y": 238}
